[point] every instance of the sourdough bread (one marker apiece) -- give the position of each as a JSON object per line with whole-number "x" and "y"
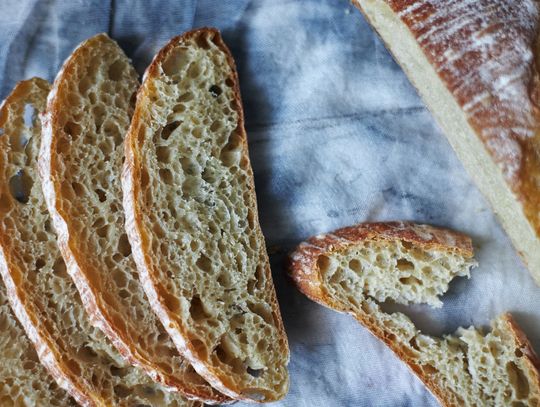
{"x": 43, "y": 295}
{"x": 355, "y": 269}
{"x": 23, "y": 380}
{"x": 191, "y": 216}
{"x": 88, "y": 115}
{"x": 475, "y": 64}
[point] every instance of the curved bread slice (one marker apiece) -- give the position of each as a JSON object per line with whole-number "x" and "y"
{"x": 354, "y": 269}
{"x": 23, "y": 380}
{"x": 476, "y": 65}
{"x": 43, "y": 295}
{"x": 88, "y": 115}
{"x": 191, "y": 216}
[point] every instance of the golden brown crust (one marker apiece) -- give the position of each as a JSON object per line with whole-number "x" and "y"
{"x": 77, "y": 261}
{"x": 138, "y": 237}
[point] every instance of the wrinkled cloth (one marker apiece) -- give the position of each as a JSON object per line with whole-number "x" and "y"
{"x": 337, "y": 136}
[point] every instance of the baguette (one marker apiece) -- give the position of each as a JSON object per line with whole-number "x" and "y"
{"x": 42, "y": 294}
{"x": 475, "y": 65}
{"x": 23, "y": 380}
{"x": 191, "y": 217}
{"x": 355, "y": 269}
{"x": 88, "y": 114}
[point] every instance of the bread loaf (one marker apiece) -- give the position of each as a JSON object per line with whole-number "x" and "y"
{"x": 43, "y": 295}
{"x": 191, "y": 216}
{"x": 355, "y": 269}
{"x": 88, "y": 115}
{"x": 23, "y": 380}
{"x": 475, "y": 65}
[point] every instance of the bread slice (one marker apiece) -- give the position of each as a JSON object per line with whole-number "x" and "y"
{"x": 42, "y": 294}
{"x": 475, "y": 65}
{"x": 88, "y": 115}
{"x": 355, "y": 269}
{"x": 191, "y": 216}
{"x": 23, "y": 380}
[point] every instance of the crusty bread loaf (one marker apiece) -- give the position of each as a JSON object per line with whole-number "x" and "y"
{"x": 191, "y": 216}
{"x": 475, "y": 64}
{"x": 88, "y": 115}
{"x": 354, "y": 269}
{"x": 23, "y": 380}
{"x": 43, "y": 296}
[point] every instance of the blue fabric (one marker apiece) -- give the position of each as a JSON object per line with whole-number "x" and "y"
{"x": 337, "y": 136}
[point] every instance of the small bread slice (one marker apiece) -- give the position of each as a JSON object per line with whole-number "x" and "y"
{"x": 23, "y": 380}
{"x": 354, "y": 269}
{"x": 191, "y": 216}
{"x": 42, "y": 294}
{"x": 88, "y": 114}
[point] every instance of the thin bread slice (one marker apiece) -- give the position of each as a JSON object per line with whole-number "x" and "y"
{"x": 44, "y": 298}
{"x": 88, "y": 114}
{"x": 355, "y": 269}
{"x": 191, "y": 217}
{"x": 23, "y": 380}
{"x": 475, "y": 64}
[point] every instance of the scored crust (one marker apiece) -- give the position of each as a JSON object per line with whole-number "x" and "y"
{"x": 90, "y": 283}
{"x": 304, "y": 270}
{"x": 139, "y": 236}
{"x": 475, "y": 64}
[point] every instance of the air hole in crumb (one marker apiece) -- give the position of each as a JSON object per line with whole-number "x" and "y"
{"x": 518, "y": 380}
{"x": 229, "y": 82}
{"x": 102, "y": 196}
{"x": 73, "y": 129}
{"x": 323, "y": 263}
{"x": 262, "y": 310}
{"x": 121, "y": 391}
{"x": 59, "y": 268}
{"x": 203, "y": 41}
{"x": 518, "y": 353}
{"x": 20, "y": 186}
{"x": 196, "y": 309}
{"x": 123, "y": 293}
{"x": 355, "y": 265}
{"x": 103, "y": 231}
{"x": 194, "y": 70}
{"x": 29, "y": 115}
{"x": 204, "y": 263}
{"x": 168, "y": 129}
{"x": 254, "y": 372}
{"x": 166, "y": 176}
{"x": 185, "y": 97}
{"x": 78, "y": 188}
{"x": 40, "y": 263}
{"x": 123, "y": 245}
{"x": 411, "y": 280}
{"x": 163, "y": 154}
{"x": 404, "y": 265}
{"x": 116, "y": 69}
{"x": 215, "y": 91}
{"x": 86, "y": 354}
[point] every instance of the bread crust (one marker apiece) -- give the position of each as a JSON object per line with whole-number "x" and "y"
{"x": 139, "y": 239}
{"x": 47, "y": 352}
{"x": 304, "y": 271}
{"x": 94, "y": 305}
{"x": 484, "y": 53}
